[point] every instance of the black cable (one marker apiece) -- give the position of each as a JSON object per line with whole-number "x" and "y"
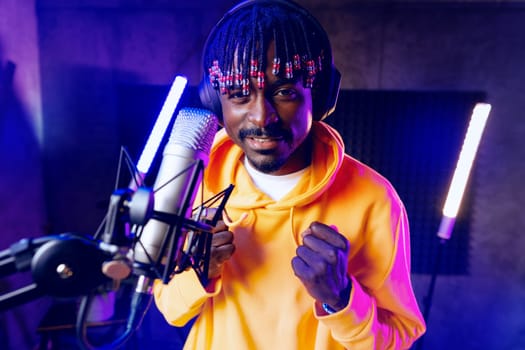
{"x": 427, "y": 301}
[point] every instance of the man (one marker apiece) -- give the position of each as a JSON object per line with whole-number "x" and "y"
{"x": 315, "y": 251}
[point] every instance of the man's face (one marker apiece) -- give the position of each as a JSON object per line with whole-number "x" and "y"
{"x": 271, "y": 124}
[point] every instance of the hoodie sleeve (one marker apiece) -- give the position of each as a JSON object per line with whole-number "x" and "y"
{"x": 387, "y": 316}
{"x": 180, "y": 304}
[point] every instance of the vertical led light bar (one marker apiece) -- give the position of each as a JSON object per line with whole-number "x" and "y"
{"x": 461, "y": 174}
{"x": 161, "y": 124}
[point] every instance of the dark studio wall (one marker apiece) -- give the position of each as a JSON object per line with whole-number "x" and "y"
{"x": 91, "y": 54}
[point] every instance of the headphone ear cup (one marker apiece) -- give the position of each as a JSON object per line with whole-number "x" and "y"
{"x": 325, "y": 98}
{"x": 334, "y": 87}
{"x": 210, "y": 97}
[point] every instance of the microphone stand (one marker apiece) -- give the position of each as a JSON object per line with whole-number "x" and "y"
{"x": 61, "y": 266}
{"x": 195, "y": 255}
{"x": 18, "y": 258}
{"x": 75, "y": 265}
{"x": 116, "y": 232}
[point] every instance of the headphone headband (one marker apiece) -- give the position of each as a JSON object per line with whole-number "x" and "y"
{"x": 327, "y": 87}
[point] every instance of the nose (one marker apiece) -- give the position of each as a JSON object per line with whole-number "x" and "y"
{"x": 262, "y": 113}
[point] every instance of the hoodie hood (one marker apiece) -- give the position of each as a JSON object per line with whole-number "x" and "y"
{"x": 228, "y": 159}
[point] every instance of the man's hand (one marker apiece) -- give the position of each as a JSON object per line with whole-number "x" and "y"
{"x": 222, "y": 248}
{"x": 321, "y": 265}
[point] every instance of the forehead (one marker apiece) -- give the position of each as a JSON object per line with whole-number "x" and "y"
{"x": 242, "y": 60}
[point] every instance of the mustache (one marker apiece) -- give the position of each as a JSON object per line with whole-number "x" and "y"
{"x": 273, "y": 131}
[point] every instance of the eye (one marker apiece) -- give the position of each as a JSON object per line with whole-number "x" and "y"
{"x": 285, "y": 94}
{"x": 237, "y": 96}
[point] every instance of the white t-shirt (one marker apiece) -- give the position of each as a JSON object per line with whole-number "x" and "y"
{"x": 275, "y": 186}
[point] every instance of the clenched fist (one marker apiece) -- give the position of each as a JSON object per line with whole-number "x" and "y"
{"x": 321, "y": 265}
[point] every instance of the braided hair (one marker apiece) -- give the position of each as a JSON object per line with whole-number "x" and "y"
{"x": 236, "y": 49}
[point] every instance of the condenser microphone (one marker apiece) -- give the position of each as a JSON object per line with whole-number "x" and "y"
{"x": 180, "y": 174}
{"x": 177, "y": 182}
{"x": 159, "y": 243}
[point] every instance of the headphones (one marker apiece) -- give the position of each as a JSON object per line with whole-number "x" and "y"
{"x": 324, "y": 97}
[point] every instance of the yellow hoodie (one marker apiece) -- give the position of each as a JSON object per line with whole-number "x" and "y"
{"x": 258, "y": 303}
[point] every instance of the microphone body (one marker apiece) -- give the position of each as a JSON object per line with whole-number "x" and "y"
{"x": 176, "y": 186}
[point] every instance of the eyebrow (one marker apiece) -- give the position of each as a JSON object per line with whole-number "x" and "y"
{"x": 283, "y": 81}
{"x": 275, "y": 84}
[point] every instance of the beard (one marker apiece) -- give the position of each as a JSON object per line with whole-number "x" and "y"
{"x": 271, "y": 162}
{"x": 268, "y": 166}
